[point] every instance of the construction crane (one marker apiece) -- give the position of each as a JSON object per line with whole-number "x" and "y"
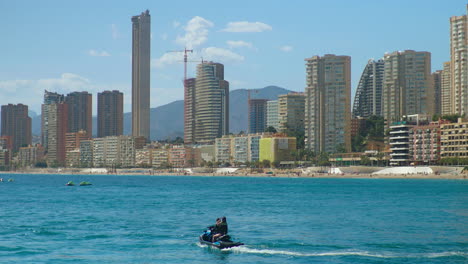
{"x": 185, "y": 51}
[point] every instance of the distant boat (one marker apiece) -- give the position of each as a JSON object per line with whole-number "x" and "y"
{"x": 70, "y": 183}
{"x": 11, "y": 180}
{"x": 85, "y": 183}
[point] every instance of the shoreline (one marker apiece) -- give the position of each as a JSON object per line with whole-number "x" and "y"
{"x": 277, "y": 174}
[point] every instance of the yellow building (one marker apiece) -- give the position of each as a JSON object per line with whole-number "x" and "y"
{"x": 454, "y": 140}
{"x": 277, "y": 148}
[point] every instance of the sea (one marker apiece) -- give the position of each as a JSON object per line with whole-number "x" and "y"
{"x": 158, "y": 219}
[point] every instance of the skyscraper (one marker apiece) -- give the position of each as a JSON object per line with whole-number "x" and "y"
{"x": 328, "y": 103}
{"x": 211, "y": 102}
{"x": 408, "y": 87}
{"x": 49, "y": 98}
{"x": 110, "y": 113}
{"x": 17, "y": 125}
{"x": 445, "y": 91}
{"x": 257, "y": 115}
{"x": 141, "y": 32}
{"x": 291, "y": 112}
{"x": 189, "y": 111}
{"x": 368, "y": 99}
{"x": 437, "y": 82}
{"x": 272, "y": 114}
{"x": 56, "y": 135}
{"x": 459, "y": 63}
{"x": 80, "y": 116}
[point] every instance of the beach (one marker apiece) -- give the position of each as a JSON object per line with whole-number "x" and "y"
{"x": 446, "y": 173}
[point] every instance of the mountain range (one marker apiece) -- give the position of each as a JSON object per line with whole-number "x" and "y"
{"x": 167, "y": 121}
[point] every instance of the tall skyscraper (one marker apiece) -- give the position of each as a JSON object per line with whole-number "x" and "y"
{"x": 49, "y": 98}
{"x": 141, "y": 32}
{"x": 368, "y": 99}
{"x": 17, "y": 125}
{"x": 445, "y": 91}
{"x": 459, "y": 63}
{"x": 291, "y": 112}
{"x": 189, "y": 111}
{"x": 257, "y": 115}
{"x": 56, "y": 135}
{"x": 328, "y": 103}
{"x": 110, "y": 113}
{"x": 211, "y": 102}
{"x": 437, "y": 82}
{"x": 408, "y": 87}
{"x": 80, "y": 115}
{"x": 272, "y": 114}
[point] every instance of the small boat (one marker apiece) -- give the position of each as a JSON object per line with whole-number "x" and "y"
{"x": 223, "y": 242}
{"x": 70, "y": 183}
{"x": 11, "y": 180}
{"x": 85, "y": 183}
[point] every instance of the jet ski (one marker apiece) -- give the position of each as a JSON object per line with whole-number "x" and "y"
{"x": 222, "y": 242}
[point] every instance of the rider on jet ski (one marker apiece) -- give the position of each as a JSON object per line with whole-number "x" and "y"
{"x": 219, "y": 229}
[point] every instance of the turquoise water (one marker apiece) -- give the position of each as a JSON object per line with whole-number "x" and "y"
{"x": 144, "y": 219}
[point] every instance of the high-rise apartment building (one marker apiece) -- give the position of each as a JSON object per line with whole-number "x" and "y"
{"x": 80, "y": 112}
{"x": 49, "y": 99}
{"x": 110, "y": 113}
{"x": 459, "y": 63}
{"x": 445, "y": 91}
{"x": 141, "y": 32}
{"x": 17, "y": 125}
{"x": 257, "y": 115}
{"x": 57, "y": 129}
{"x": 189, "y": 111}
{"x": 408, "y": 88}
{"x": 328, "y": 103}
{"x": 272, "y": 114}
{"x": 211, "y": 103}
{"x": 291, "y": 112}
{"x": 437, "y": 82}
{"x": 368, "y": 99}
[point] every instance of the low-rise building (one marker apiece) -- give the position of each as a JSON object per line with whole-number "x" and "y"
{"x": 425, "y": 143}
{"x": 29, "y": 156}
{"x": 223, "y": 148}
{"x": 277, "y": 149}
{"x": 73, "y": 158}
{"x": 454, "y": 140}
{"x": 177, "y": 156}
{"x": 86, "y": 153}
{"x": 160, "y": 157}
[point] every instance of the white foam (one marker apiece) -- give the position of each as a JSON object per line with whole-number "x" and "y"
{"x": 244, "y": 249}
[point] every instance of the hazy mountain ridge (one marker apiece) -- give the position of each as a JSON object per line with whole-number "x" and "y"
{"x": 167, "y": 121}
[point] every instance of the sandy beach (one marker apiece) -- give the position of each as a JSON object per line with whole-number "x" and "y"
{"x": 277, "y": 173}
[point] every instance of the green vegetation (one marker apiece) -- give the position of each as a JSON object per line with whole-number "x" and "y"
{"x": 453, "y": 161}
{"x": 374, "y": 130}
{"x": 452, "y": 118}
{"x": 271, "y": 129}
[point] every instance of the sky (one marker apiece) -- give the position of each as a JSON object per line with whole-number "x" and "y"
{"x": 67, "y": 46}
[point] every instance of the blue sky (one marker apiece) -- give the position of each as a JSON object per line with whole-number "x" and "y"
{"x": 67, "y": 46}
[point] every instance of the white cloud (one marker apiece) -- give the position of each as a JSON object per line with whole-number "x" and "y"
{"x": 286, "y": 48}
{"x": 96, "y": 53}
{"x": 167, "y": 59}
{"x": 238, "y": 44}
{"x": 245, "y": 26}
{"x": 220, "y": 55}
{"x": 208, "y": 54}
{"x": 196, "y": 32}
{"x": 115, "y": 31}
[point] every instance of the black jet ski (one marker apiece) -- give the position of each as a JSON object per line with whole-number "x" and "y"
{"x": 222, "y": 242}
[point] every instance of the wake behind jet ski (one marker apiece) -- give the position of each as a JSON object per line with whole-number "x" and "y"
{"x": 216, "y": 236}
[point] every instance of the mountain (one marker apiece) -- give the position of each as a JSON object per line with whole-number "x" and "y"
{"x": 167, "y": 121}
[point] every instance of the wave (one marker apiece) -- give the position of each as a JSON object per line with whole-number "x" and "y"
{"x": 359, "y": 253}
